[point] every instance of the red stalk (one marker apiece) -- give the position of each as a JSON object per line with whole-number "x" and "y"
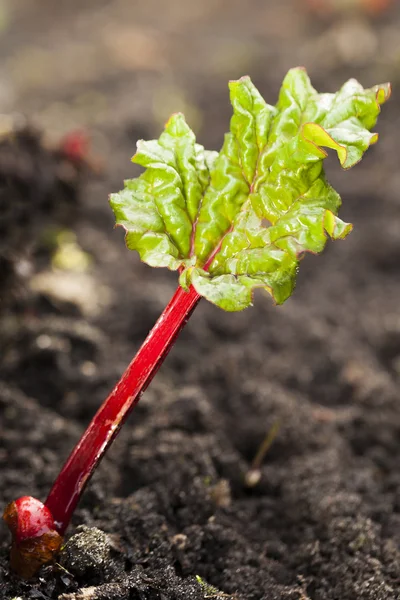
{"x": 70, "y": 483}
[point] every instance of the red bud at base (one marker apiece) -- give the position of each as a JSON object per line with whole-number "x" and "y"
{"x": 35, "y": 538}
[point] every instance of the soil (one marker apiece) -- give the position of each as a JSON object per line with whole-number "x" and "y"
{"x": 170, "y": 504}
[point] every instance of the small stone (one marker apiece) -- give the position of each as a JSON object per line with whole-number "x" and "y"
{"x": 86, "y": 552}
{"x": 252, "y": 477}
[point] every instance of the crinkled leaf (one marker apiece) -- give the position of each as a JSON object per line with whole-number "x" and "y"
{"x": 158, "y": 209}
{"x": 241, "y": 219}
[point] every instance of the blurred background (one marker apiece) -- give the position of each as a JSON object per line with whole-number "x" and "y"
{"x": 113, "y": 71}
{"x": 122, "y": 66}
{"x": 80, "y": 82}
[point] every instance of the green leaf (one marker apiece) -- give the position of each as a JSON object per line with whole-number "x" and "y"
{"x": 158, "y": 209}
{"x": 241, "y": 219}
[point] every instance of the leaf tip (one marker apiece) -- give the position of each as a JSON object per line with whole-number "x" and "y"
{"x": 300, "y": 70}
{"x": 176, "y": 117}
{"x": 335, "y": 227}
{"x": 240, "y": 80}
{"x": 139, "y": 143}
{"x": 383, "y": 92}
{"x": 234, "y": 84}
{"x": 374, "y": 139}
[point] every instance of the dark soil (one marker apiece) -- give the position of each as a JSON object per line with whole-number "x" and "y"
{"x": 170, "y": 501}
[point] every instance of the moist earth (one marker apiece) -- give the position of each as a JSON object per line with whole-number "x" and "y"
{"x": 168, "y": 514}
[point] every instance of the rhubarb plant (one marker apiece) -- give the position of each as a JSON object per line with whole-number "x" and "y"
{"x": 229, "y": 222}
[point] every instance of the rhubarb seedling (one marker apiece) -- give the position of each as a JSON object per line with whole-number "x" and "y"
{"x": 229, "y": 223}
